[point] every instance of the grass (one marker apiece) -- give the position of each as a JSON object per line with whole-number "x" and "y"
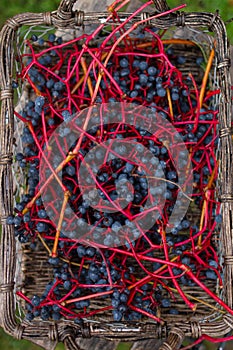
{"x": 9, "y": 8}
{"x": 9, "y": 343}
{"x": 225, "y": 8}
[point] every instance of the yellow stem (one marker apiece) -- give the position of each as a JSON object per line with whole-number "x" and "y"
{"x": 205, "y": 78}
{"x": 57, "y": 236}
{"x": 209, "y": 185}
{"x": 170, "y": 103}
{"x": 179, "y": 42}
{"x": 168, "y": 42}
{"x": 87, "y": 297}
{"x": 201, "y": 223}
{"x": 89, "y": 83}
{"x": 211, "y": 180}
{"x": 74, "y": 263}
{"x": 43, "y": 242}
{"x": 79, "y": 83}
{"x": 199, "y": 301}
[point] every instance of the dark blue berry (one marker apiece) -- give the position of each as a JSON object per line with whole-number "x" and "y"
{"x": 133, "y": 94}
{"x": 39, "y": 102}
{"x": 115, "y": 303}
{"x": 90, "y": 252}
{"x": 136, "y": 63}
{"x": 199, "y": 61}
{"x": 20, "y": 206}
{"x": 64, "y": 276}
{"x": 122, "y": 308}
{"x": 107, "y": 221}
{"x": 36, "y": 313}
{"x": 22, "y": 164}
{"x": 42, "y": 214}
{"x": 59, "y": 40}
{"x": 161, "y": 92}
{"x": 52, "y": 38}
{"x": 84, "y": 303}
{"x": 78, "y": 321}
{"x": 53, "y": 261}
{"x": 70, "y": 170}
{"x": 27, "y": 217}
{"x": 117, "y": 315}
{"x": 56, "y": 308}
{"x": 143, "y": 79}
{"x": 124, "y": 73}
{"x": 218, "y": 218}
{"x": 42, "y": 227}
{"x": 29, "y": 316}
{"x": 124, "y": 62}
{"x": 35, "y": 300}
{"x": 23, "y": 238}
{"x": 166, "y": 302}
{"x": 82, "y": 210}
{"x": 124, "y": 298}
{"x": 59, "y": 86}
{"x": 213, "y": 263}
{"x": 44, "y": 313}
{"x": 34, "y": 37}
{"x": 173, "y": 312}
{"x": 56, "y": 316}
{"x": 67, "y": 285}
{"x": 143, "y": 65}
{"x": 116, "y": 294}
{"x": 15, "y": 84}
{"x": 108, "y": 240}
{"x": 211, "y": 275}
{"x": 152, "y": 70}
{"x": 181, "y": 60}
{"x": 29, "y": 307}
{"x": 10, "y": 220}
{"x": 93, "y": 276}
{"x": 19, "y": 156}
{"x": 185, "y": 224}
{"x": 175, "y": 96}
{"x": 50, "y": 83}
{"x": 116, "y": 226}
{"x": 17, "y": 220}
{"x": 81, "y": 251}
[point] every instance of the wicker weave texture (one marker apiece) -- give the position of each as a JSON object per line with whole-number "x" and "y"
{"x": 47, "y": 334}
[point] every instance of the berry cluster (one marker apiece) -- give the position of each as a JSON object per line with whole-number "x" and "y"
{"x": 118, "y": 268}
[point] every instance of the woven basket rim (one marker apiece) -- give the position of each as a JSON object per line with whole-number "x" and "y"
{"x": 63, "y": 331}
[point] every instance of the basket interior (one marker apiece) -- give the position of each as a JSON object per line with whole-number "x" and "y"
{"x": 35, "y": 271}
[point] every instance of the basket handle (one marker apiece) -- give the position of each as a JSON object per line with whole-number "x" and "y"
{"x": 65, "y": 8}
{"x": 161, "y": 5}
{"x": 174, "y": 340}
{"x": 70, "y": 344}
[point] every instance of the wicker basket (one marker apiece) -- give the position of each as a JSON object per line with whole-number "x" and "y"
{"x": 47, "y": 334}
